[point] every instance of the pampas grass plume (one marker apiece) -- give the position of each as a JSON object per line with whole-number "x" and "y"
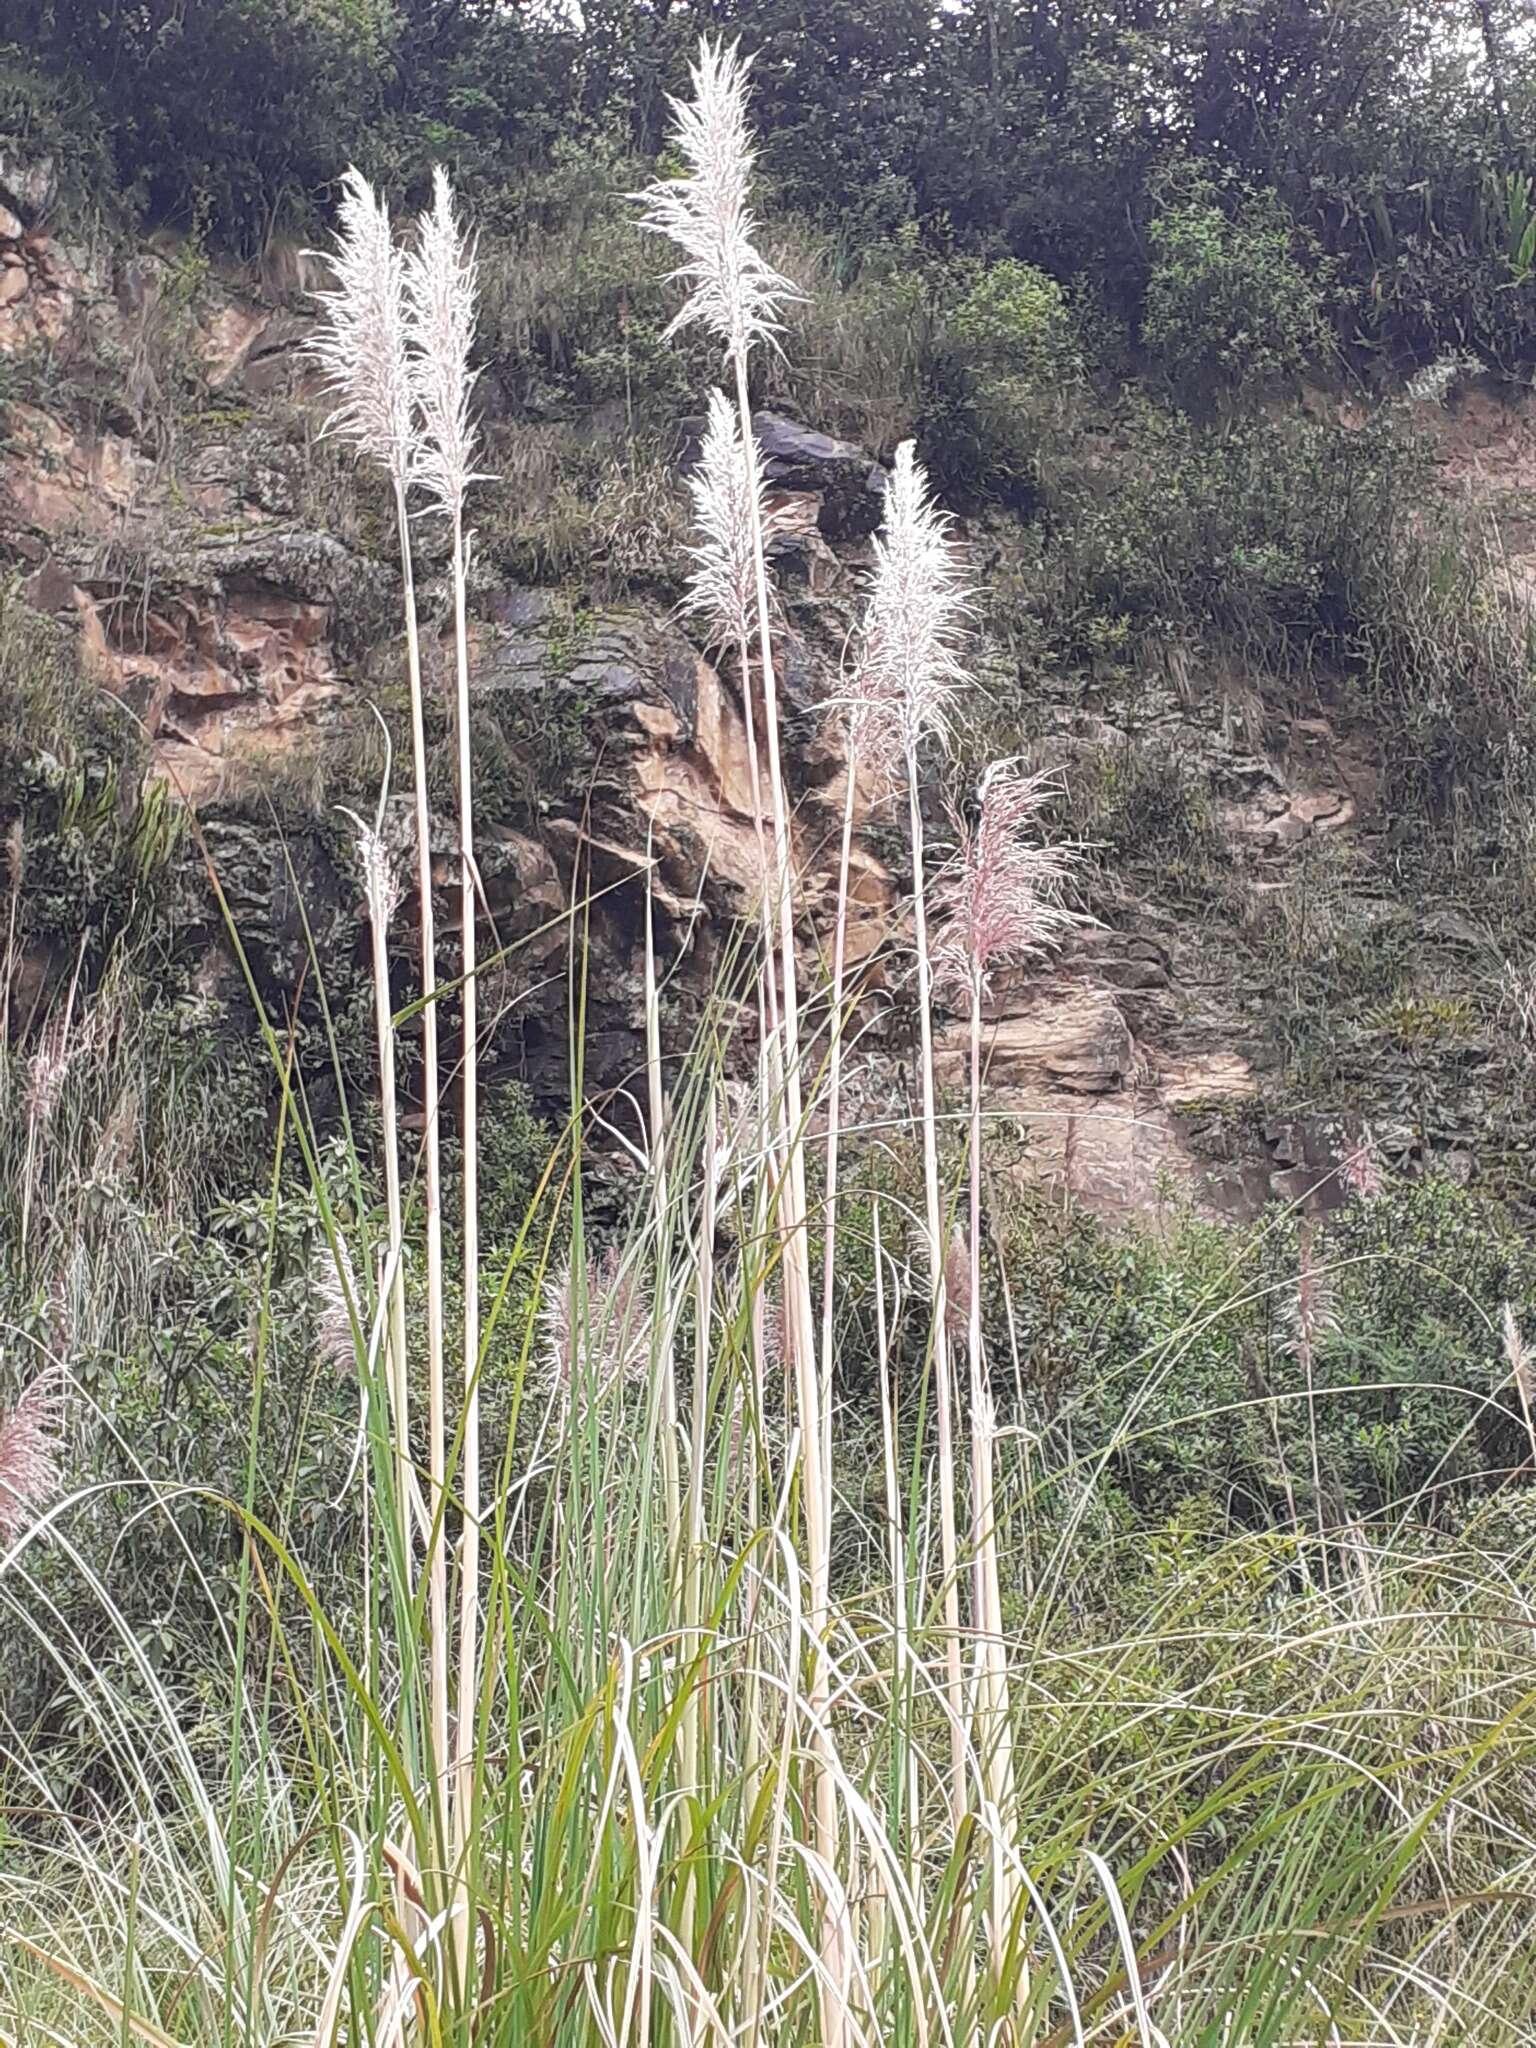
{"x": 604, "y": 1324}
{"x": 360, "y": 345}
{"x": 337, "y": 1303}
{"x": 724, "y": 486}
{"x": 30, "y": 1456}
{"x": 913, "y": 663}
{"x": 732, "y": 289}
{"x": 439, "y": 285}
{"x": 1001, "y": 895}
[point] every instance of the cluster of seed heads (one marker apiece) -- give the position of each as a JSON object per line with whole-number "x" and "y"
{"x": 31, "y": 1453}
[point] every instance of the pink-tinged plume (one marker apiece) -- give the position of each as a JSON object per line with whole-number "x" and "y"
{"x": 999, "y": 901}
{"x": 596, "y": 1327}
{"x": 30, "y": 1455}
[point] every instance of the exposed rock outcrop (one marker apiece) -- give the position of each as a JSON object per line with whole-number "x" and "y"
{"x": 212, "y": 600}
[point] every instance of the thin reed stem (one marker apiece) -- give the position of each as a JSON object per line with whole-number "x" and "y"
{"x": 437, "y": 1422}
{"x": 943, "y": 1397}
{"x": 799, "y": 1314}
{"x": 665, "y": 1363}
{"x": 835, "y": 1089}
{"x": 905, "y": 1832}
{"x": 469, "y": 1559}
{"x": 380, "y": 893}
{"x": 993, "y": 1734}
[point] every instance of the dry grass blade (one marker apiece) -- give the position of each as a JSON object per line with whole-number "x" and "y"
{"x": 1522, "y": 1372}
{"x": 129, "y": 2025}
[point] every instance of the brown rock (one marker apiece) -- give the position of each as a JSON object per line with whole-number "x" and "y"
{"x": 239, "y": 669}
{"x": 1214, "y": 1076}
{"x": 65, "y": 484}
{"x": 225, "y": 339}
{"x": 1061, "y": 1031}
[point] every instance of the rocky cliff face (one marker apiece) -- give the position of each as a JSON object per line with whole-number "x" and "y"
{"x": 163, "y": 490}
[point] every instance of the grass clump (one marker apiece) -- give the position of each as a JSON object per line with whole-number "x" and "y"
{"x": 1169, "y": 1690}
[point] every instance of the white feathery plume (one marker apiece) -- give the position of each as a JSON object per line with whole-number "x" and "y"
{"x": 1000, "y": 900}
{"x": 733, "y": 291}
{"x": 439, "y": 283}
{"x": 50, "y": 1064}
{"x": 1000, "y": 896}
{"x": 381, "y": 883}
{"x": 914, "y": 632}
{"x": 724, "y": 486}
{"x": 1310, "y": 1316}
{"x": 1361, "y": 1169}
{"x": 360, "y": 344}
{"x": 737, "y": 295}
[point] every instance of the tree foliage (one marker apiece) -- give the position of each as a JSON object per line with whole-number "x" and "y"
{"x": 1394, "y": 133}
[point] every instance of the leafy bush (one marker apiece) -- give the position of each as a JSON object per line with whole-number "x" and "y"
{"x": 1005, "y": 364}
{"x": 49, "y": 116}
{"x": 1229, "y": 301}
{"x": 1447, "y": 661}
{"x": 860, "y": 347}
{"x": 1251, "y": 532}
{"x": 87, "y": 841}
{"x": 228, "y": 113}
{"x": 1182, "y": 1366}
{"x": 1142, "y": 806}
{"x": 1015, "y": 321}
{"x": 569, "y": 319}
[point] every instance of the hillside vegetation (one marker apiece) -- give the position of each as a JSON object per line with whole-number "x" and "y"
{"x": 883, "y": 1396}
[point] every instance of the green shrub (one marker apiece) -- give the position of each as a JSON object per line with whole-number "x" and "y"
{"x": 47, "y": 115}
{"x": 1233, "y": 297}
{"x": 860, "y": 347}
{"x": 1145, "y": 806}
{"x": 1250, "y": 532}
{"x": 1015, "y": 321}
{"x": 569, "y": 318}
{"x": 87, "y": 839}
{"x": 1447, "y": 662}
{"x": 228, "y": 113}
{"x": 1181, "y": 1364}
